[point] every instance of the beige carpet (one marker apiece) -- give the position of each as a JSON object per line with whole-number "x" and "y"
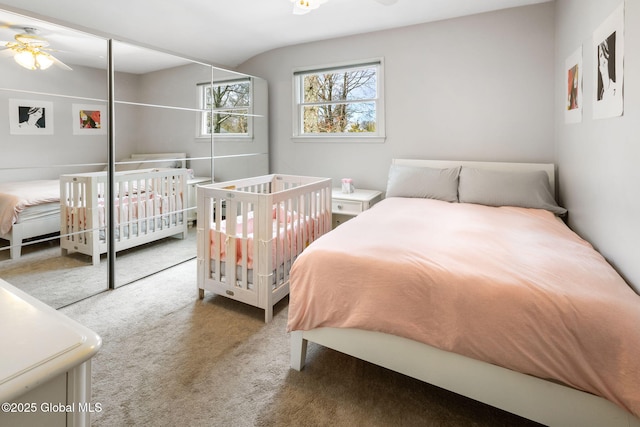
{"x": 59, "y": 280}
{"x": 169, "y": 359}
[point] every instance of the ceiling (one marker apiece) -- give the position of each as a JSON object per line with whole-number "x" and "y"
{"x": 229, "y": 32}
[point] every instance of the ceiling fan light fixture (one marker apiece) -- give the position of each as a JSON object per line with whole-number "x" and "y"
{"x": 25, "y": 59}
{"x": 30, "y": 51}
{"x": 43, "y": 60}
{"x": 33, "y": 59}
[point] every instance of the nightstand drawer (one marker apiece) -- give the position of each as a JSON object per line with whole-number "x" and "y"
{"x": 346, "y": 207}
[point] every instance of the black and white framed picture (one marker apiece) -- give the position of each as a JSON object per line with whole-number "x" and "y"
{"x": 574, "y": 69}
{"x": 30, "y": 117}
{"x": 608, "y": 48}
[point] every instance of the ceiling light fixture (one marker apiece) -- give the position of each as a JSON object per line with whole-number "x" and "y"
{"x": 31, "y": 51}
{"x": 301, "y": 7}
{"x": 32, "y": 59}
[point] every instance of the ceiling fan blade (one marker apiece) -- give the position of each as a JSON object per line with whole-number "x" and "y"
{"x": 5, "y": 51}
{"x": 60, "y": 64}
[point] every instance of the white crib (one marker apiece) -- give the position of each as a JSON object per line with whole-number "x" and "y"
{"x": 148, "y": 206}
{"x": 262, "y": 223}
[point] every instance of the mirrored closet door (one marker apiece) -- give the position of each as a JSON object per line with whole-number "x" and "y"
{"x": 122, "y": 204}
{"x": 159, "y": 154}
{"x": 171, "y": 112}
{"x": 53, "y": 106}
{"x": 239, "y": 125}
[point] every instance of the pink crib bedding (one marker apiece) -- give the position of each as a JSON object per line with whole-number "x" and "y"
{"x": 510, "y": 286}
{"x": 142, "y": 206}
{"x": 284, "y": 237}
{"x": 15, "y": 197}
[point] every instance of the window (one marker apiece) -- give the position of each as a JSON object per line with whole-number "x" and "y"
{"x": 340, "y": 102}
{"x": 226, "y": 107}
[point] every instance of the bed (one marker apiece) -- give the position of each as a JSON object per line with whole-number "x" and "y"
{"x": 513, "y": 309}
{"x": 28, "y": 209}
{"x": 149, "y": 195}
{"x": 251, "y": 232}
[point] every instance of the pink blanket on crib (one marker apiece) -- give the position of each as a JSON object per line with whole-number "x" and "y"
{"x": 17, "y": 196}
{"x": 510, "y": 286}
{"x": 284, "y": 237}
{"x": 130, "y": 208}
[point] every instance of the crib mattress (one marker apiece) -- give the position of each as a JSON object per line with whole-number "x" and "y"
{"x": 276, "y": 275}
{"x": 39, "y": 211}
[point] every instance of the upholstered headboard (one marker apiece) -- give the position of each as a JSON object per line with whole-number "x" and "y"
{"x": 549, "y": 168}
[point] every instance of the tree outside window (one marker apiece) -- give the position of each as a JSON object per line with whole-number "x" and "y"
{"x": 339, "y": 101}
{"x": 228, "y": 105}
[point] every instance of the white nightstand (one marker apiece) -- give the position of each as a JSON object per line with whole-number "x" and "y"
{"x": 192, "y": 200}
{"x": 347, "y": 205}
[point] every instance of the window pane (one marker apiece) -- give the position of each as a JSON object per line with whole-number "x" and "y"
{"x": 340, "y": 86}
{"x": 228, "y": 121}
{"x": 227, "y": 95}
{"x": 340, "y": 118}
{"x": 230, "y": 103}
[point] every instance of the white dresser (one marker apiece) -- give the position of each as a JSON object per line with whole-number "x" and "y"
{"x": 45, "y": 364}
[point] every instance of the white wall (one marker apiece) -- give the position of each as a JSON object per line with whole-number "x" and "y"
{"x": 477, "y": 88}
{"x": 598, "y": 159}
{"x": 62, "y": 147}
{"x": 27, "y": 157}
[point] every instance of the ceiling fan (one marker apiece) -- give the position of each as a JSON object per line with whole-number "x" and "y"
{"x": 32, "y": 51}
{"x": 301, "y": 7}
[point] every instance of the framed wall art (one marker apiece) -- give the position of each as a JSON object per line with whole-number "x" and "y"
{"x": 608, "y": 49}
{"x": 30, "y": 117}
{"x": 89, "y": 119}
{"x": 574, "y": 70}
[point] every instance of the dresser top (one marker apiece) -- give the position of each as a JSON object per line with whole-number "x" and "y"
{"x": 38, "y": 342}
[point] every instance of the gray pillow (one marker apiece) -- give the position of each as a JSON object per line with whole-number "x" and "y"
{"x": 423, "y": 182}
{"x": 499, "y": 188}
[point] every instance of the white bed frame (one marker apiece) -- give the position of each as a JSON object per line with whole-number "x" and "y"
{"x": 308, "y": 197}
{"x": 543, "y": 401}
{"x": 81, "y": 192}
{"x": 44, "y": 225}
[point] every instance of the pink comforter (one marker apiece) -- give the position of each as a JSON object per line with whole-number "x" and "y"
{"x": 17, "y": 196}
{"x": 510, "y": 286}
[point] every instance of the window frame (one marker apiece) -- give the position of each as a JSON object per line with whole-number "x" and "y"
{"x": 298, "y": 104}
{"x": 202, "y": 117}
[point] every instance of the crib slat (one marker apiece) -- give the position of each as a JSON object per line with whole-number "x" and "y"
{"x": 244, "y": 261}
